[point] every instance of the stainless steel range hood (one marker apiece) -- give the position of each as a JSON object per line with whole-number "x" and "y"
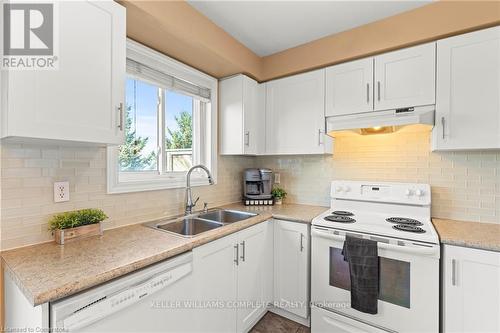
{"x": 419, "y": 118}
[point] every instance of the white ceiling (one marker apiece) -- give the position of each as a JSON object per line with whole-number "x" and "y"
{"x": 267, "y": 27}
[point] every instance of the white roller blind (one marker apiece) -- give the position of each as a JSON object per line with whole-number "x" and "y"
{"x": 167, "y": 81}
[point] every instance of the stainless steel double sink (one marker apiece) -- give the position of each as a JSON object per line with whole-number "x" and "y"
{"x": 195, "y": 224}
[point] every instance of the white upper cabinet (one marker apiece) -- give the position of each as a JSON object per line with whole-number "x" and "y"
{"x": 83, "y": 99}
{"x": 468, "y": 92}
{"x": 242, "y": 116}
{"x": 295, "y": 115}
{"x": 393, "y": 80}
{"x": 405, "y": 77}
{"x": 349, "y": 88}
{"x": 471, "y": 290}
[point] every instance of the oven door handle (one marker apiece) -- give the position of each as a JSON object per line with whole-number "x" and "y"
{"x": 423, "y": 250}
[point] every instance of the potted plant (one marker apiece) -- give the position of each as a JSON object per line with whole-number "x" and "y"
{"x": 77, "y": 224}
{"x": 278, "y": 194}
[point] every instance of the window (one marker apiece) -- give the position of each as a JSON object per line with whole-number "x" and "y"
{"x": 169, "y": 124}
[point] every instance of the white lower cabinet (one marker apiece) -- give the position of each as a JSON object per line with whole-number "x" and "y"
{"x": 471, "y": 290}
{"x": 328, "y": 322}
{"x": 216, "y": 277}
{"x": 291, "y": 267}
{"x": 233, "y": 281}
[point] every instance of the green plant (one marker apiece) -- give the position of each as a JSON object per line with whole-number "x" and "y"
{"x": 279, "y": 193}
{"x": 76, "y": 218}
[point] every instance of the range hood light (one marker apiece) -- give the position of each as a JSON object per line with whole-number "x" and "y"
{"x": 377, "y": 130}
{"x": 415, "y": 119}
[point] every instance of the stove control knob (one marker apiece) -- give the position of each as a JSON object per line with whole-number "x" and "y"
{"x": 347, "y": 189}
{"x": 339, "y": 189}
{"x": 420, "y": 193}
{"x": 409, "y": 192}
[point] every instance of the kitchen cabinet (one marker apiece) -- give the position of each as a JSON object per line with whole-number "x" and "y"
{"x": 254, "y": 277}
{"x": 471, "y": 290}
{"x": 291, "y": 267}
{"x": 349, "y": 88}
{"x": 405, "y": 78}
{"x": 83, "y": 99}
{"x": 242, "y": 116}
{"x": 468, "y": 86}
{"x": 392, "y": 80}
{"x": 235, "y": 268}
{"x": 215, "y": 273}
{"x": 295, "y": 115}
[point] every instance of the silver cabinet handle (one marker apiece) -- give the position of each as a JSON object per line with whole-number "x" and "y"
{"x": 242, "y": 251}
{"x": 301, "y": 242}
{"x": 453, "y": 272}
{"x": 443, "y": 125}
{"x": 247, "y": 138}
{"x": 237, "y": 248}
{"x": 120, "y": 121}
{"x": 368, "y": 93}
{"x": 378, "y": 90}
{"x": 320, "y": 134}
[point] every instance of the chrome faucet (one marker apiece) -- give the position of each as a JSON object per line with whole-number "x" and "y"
{"x": 189, "y": 198}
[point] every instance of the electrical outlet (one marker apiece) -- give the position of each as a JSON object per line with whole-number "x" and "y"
{"x": 61, "y": 191}
{"x": 277, "y": 178}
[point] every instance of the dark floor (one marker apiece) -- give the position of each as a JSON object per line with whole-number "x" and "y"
{"x": 272, "y": 323}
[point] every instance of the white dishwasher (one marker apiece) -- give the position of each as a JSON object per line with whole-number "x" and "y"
{"x": 150, "y": 300}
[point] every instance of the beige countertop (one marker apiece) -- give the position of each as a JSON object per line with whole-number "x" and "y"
{"x": 477, "y": 235}
{"x": 46, "y": 272}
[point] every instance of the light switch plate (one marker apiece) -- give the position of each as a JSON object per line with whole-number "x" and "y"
{"x": 277, "y": 178}
{"x": 61, "y": 191}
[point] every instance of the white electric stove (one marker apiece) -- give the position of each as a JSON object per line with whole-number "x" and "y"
{"x": 398, "y": 217}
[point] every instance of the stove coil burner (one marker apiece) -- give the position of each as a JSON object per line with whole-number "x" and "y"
{"x": 342, "y": 213}
{"x": 340, "y": 219}
{"x": 404, "y": 220}
{"x": 408, "y": 228}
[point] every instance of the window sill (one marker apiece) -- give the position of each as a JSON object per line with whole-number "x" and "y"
{"x": 160, "y": 183}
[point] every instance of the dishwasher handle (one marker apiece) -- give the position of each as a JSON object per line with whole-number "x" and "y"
{"x": 115, "y": 302}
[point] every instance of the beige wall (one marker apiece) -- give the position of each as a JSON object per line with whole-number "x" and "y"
{"x": 465, "y": 185}
{"x": 427, "y": 23}
{"x": 29, "y": 171}
{"x": 178, "y": 30}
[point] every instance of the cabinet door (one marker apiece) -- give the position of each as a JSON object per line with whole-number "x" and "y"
{"x": 468, "y": 88}
{"x": 405, "y": 78}
{"x": 215, "y": 270}
{"x": 231, "y": 115}
{"x": 471, "y": 290}
{"x": 295, "y": 115}
{"x": 291, "y": 266}
{"x": 80, "y": 101}
{"x": 242, "y": 116}
{"x": 254, "y": 117}
{"x": 252, "y": 275}
{"x": 349, "y": 88}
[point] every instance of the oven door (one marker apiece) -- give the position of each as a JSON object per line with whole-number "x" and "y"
{"x": 408, "y": 281}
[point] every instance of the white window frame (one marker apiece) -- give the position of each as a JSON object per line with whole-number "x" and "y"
{"x": 125, "y": 182}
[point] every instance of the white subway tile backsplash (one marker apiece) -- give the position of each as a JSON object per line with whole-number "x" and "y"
{"x": 29, "y": 171}
{"x": 465, "y": 185}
